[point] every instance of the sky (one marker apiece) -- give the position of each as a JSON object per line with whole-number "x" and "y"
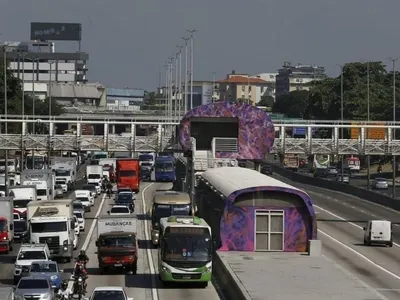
{"x": 129, "y": 41}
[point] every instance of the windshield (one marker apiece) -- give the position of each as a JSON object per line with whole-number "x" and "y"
{"x": 127, "y": 173}
{"x": 82, "y": 199}
{"x": 41, "y": 192}
{"x": 49, "y": 227}
{"x": 78, "y": 215}
{"x": 118, "y": 242}
{"x": 60, "y": 182}
{"x": 381, "y": 180}
{"x": 62, "y": 173}
{"x": 78, "y": 206}
{"x": 183, "y": 247}
{"x": 3, "y": 163}
{"x": 146, "y": 158}
{"x": 33, "y": 284}
{"x": 106, "y": 295}
{"x": 21, "y": 203}
{"x": 2, "y": 188}
{"x": 146, "y": 164}
{"x": 120, "y": 210}
{"x": 20, "y": 226}
{"x": 32, "y": 255}
{"x": 124, "y": 198}
{"x": 89, "y": 188}
{"x": 43, "y": 268}
{"x": 3, "y": 225}
{"x": 164, "y": 167}
{"x": 94, "y": 176}
{"x": 167, "y": 210}
{"x": 100, "y": 156}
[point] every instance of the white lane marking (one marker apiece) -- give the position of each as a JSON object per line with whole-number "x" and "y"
{"x": 378, "y": 266}
{"x": 366, "y": 285}
{"x": 89, "y": 235}
{"x": 147, "y": 237}
{"x": 343, "y": 219}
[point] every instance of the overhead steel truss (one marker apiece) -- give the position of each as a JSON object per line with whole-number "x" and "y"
{"x": 336, "y": 145}
{"x": 78, "y": 142}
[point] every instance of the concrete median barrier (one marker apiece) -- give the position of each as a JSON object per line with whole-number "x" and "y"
{"x": 338, "y": 187}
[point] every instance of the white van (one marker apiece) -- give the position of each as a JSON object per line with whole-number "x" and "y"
{"x": 85, "y": 198}
{"x": 378, "y": 232}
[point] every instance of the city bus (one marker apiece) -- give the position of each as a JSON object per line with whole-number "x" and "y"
{"x": 165, "y": 169}
{"x": 165, "y": 204}
{"x": 185, "y": 252}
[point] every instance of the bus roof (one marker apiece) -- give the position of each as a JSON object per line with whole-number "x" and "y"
{"x": 171, "y": 197}
{"x": 183, "y": 221}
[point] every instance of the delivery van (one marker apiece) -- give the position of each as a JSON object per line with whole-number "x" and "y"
{"x": 378, "y": 232}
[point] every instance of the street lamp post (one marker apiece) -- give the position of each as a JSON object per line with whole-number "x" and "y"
{"x": 186, "y": 74}
{"x": 5, "y": 114}
{"x": 180, "y": 82}
{"x": 192, "y": 32}
{"x": 394, "y": 60}
{"x": 176, "y": 86}
{"x": 342, "y": 116}
{"x": 368, "y": 156}
{"x": 166, "y": 92}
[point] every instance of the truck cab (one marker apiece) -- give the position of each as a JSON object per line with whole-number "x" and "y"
{"x": 6, "y": 224}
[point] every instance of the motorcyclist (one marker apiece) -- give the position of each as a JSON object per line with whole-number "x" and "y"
{"x": 109, "y": 190}
{"x": 82, "y": 257}
{"x": 64, "y": 291}
{"x": 80, "y": 271}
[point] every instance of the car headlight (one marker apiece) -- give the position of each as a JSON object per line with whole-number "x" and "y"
{"x": 45, "y": 296}
{"x": 54, "y": 277}
{"x": 166, "y": 269}
{"x": 18, "y": 267}
{"x": 4, "y": 238}
{"x": 18, "y": 297}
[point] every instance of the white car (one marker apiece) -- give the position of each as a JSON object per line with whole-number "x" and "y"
{"x": 27, "y": 254}
{"x": 81, "y": 220}
{"x": 119, "y": 210}
{"x": 97, "y": 186}
{"x": 63, "y": 183}
{"x": 109, "y": 292}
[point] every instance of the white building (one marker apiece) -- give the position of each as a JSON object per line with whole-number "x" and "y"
{"x": 37, "y": 64}
{"x": 269, "y": 88}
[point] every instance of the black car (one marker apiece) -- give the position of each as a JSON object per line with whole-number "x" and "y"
{"x": 266, "y": 170}
{"x": 125, "y": 199}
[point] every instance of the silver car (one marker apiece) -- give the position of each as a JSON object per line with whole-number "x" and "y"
{"x": 34, "y": 287}
{"x": 380, "y": 184}
{"x": 58, "y": 191}
{"x": 346, "y": 178}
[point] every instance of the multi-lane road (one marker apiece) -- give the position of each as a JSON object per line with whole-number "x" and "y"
{"x": 375, "y": 267}
{"x": 143, "y": 285}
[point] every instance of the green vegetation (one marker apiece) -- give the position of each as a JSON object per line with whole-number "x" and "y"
{"x": 323, "y": 101}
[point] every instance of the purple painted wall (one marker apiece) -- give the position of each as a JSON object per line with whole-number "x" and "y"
{"x": 256, "y": 130}
{"x": 238, "y": 228}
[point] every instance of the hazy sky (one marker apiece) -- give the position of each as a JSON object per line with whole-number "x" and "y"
{"x": 129, "y": 40}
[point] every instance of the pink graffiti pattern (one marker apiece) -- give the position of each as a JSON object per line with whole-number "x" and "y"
{"x": 256, "y": 130}
{"x": 237, "y": 226}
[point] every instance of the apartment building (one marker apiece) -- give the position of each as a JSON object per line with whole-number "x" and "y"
{"x": 297, "y": 77}
{"x": 269, "y": 90}
{"x": 37, "y": 64}
{"x": 242, "y": 87}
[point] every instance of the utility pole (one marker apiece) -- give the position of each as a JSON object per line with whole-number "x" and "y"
{"x": 192, "y": 32}
{"x": 393, "y": 60}
{"x": 180, "y": 83}
{"x": 176, "y": 87}
{"x": 166, "y": 90}
{"x": 368, "y": 156}
{"x": 186, "y": 74}
{"x": 342, "y": 114}
{"x": 171, "y": 60}
{"x": 213, "y": 88}
{"x": 6, "y": 115}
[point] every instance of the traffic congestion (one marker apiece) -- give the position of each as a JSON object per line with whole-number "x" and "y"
{"x": 68, "y": 218}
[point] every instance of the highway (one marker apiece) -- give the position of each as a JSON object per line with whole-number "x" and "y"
{"x": 377, "y": 267}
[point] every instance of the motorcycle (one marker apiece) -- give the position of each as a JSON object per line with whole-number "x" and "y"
{"x": 63, "y": 297}
{"x": 78, "y": 288}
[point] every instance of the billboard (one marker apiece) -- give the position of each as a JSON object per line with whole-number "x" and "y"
{"x": 371, "y": 133}
{"x": 56, "y": 31}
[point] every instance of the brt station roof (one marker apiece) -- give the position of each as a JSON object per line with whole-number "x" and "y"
{"x": 242, "y": 194}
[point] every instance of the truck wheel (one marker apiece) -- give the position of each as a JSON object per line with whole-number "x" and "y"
{"x": 134, "y": 269}
{"x": 391, "y": 244}
{"x": 102, "y": 270}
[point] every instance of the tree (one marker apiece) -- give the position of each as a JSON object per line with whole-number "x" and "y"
{"x": 266, "y": 100}
{"x": 292, "y": 104}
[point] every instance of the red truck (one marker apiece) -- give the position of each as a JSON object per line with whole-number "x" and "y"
{"x": 128, "y": 173}
{"x": 6, "y": 224}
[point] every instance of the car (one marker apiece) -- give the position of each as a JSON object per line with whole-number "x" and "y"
{"x": 76, "y": 227}
{"x": 58, "y": 191}
{"x": 27, "y": 254}
{"x": 266, "y": 170}
{"x": 34, "y": 287}
{"x": 48, "y": 269}
{"x": 332, "y": 171}
{"x": 109, "y": 292}
{"x": 97, "y": 186}
{"x": 90, "y": 188}
{"x": 125, "y": 199}
{"x": 320, "y": 173}
{"x": 346, "y": 178}
{"x": 78, "y": 206}
{"x": 81, "y": 220}
{"x": 380, "y": 184}
{"x": 63, "y": 183}
{"x": 119, "y": 210}
{"x": 21, "y": 230}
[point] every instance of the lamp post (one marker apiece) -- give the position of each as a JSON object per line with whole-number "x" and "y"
{"x": 192, "y": 32}
{"x": 394, "y": 60}
{"x": 368, "y": 156}
{"x": 180, "y": 82}
{"x": 33, "y": 60}
{"x": 5, "y": 114}
{"x": 186, "y": 73}
{"x": 213, "y": 88}
{"x": 166, "y": 92}
{"x": 176, "y": 86}
{"x": 341, "y": 117}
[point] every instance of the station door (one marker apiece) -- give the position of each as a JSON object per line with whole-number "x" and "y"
{"x": 269, "y": 230}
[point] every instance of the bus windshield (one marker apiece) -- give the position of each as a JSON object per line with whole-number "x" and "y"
{"x": 167, "y": 210}
{"x": 146, "y": 157}
{"x": 164, "y": 167}
{"x": 182, "y": 247}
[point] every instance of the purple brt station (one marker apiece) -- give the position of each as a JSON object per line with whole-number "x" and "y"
{"x": 247, "y": 210}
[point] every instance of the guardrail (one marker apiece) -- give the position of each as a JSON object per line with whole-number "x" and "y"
{"x": 338, "y": 187}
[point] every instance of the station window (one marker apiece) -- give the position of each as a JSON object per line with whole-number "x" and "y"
{"x": 269, "y": 230}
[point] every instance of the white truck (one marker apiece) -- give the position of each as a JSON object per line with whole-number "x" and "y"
{"x": 52, "y": 223}
{"x": 43, "y": 179}
{"x": 108, "y": 161}
{"x": 6, "y": 224}
{"x": 94, "y": 174}
{"x": 23, "y": 194}
{"x": 65, "y": 168}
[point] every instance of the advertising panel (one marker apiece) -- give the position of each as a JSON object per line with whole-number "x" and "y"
{"x": 371, "y": 133}
{"x": 56, "y": 31}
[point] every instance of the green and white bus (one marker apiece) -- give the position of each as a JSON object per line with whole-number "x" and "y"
{"x": 185, "y": 250}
